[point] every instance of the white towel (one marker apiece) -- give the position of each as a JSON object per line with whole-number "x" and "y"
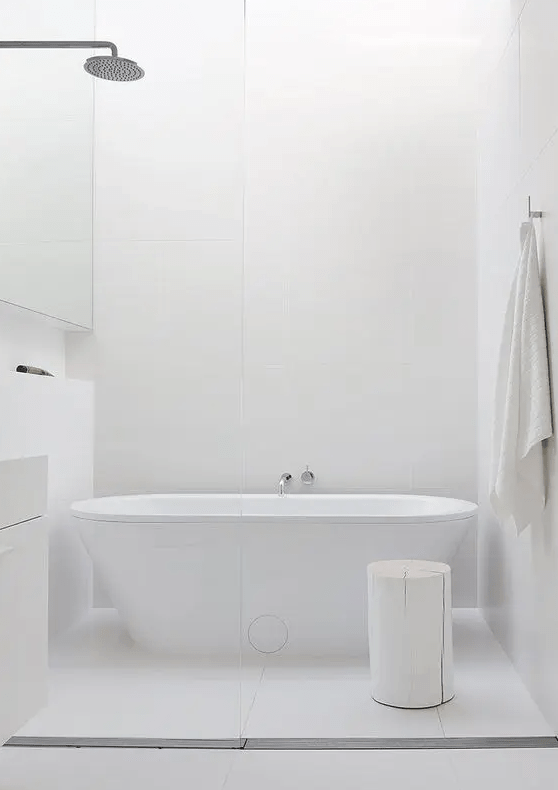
{"x": 523, "y": 416}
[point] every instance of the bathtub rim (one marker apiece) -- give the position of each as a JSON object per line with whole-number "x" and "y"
{"x": 84, "y": 511}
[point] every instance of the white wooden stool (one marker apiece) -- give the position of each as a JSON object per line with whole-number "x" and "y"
{"x": 410, "y": 633}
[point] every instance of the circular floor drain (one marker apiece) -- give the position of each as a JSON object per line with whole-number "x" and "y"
{"x": 268, "y": 633}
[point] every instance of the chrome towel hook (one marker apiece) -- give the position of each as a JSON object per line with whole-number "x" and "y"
{"x": 533, "y": 214}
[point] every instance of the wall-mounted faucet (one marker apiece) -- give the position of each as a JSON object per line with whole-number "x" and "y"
{"x": 284, "y": 479}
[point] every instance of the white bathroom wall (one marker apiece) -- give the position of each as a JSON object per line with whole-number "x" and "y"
{"x": 343, "y": 334}
{"x": 166, "y": 354}
{"x": 360, "y": 243}
{"x": 360, "y": 275}
{"x": 518, "y": 577}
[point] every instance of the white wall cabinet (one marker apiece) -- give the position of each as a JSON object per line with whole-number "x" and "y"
{"x": 23, "y": 591}
{"x": 46, "y": 138}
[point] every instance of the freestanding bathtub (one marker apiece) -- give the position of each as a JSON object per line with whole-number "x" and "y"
{"x": 200, "y": 574}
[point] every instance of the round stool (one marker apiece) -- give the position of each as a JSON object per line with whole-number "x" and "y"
{"x": 410, "y": 633}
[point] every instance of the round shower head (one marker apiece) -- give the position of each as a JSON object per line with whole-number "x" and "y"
{"x": 113, "y": 67}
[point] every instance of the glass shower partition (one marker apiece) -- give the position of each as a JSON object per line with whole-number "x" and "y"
{"x": 348, "y": 107}
{"x": 145, "y": 594}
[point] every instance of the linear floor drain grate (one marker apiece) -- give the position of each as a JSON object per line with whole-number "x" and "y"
{"x": 273, "y": 744}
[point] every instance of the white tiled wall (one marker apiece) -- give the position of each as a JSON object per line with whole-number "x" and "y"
{"x": 168, "y": 148}
{"x": 519, "y": 156}
{"x": 348, "y": 316}
{"x": 166, "y": 353}
{"x": 166, "y": 359}
{"x": 359, "y": 256}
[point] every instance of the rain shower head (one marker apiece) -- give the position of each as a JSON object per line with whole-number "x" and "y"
{"x": 106, "y": 67}
{"x": 113, "y": 67}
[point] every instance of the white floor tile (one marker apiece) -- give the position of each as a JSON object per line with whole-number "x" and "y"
{"x": 158, "y": 769}
{"x": 512, "y": 769}
{"x": 490, "y": 698}
{"x": 113, "y": 769}
{"x": 192, "y": 703}
{"x": 341, "y": 770}
{"x": 482, "y": 708}
{"x": 330, "y": 701}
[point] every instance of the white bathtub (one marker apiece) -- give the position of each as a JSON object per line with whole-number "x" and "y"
{"x": 202, "y": 574}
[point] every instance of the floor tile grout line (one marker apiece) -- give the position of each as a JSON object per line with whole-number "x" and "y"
{"x": 229, "y": 771}
{"x": 454, "y": 771}
{"x": 441, "y": 722}
{"x": 243, "y": 733}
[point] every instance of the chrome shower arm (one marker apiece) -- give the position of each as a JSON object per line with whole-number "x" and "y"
{"x": 60, "y": 45}
{"x": 106, "y": 67}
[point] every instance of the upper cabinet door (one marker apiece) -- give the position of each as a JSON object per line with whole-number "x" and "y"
{"x": 46, "y": 142}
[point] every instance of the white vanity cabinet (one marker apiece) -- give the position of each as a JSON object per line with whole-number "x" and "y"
{"x": 23, "y": 594}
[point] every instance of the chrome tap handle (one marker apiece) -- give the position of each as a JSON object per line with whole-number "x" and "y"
{"x": 308, "y": 477}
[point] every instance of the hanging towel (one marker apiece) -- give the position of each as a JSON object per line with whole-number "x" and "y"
{"x": 523, "y": 417}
